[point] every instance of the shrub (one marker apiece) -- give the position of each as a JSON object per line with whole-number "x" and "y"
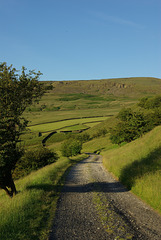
{"x": 71, "y": 148}
{"x": 85, "y": 137}
{"x": 100, "y": 132}
{"x": 132, "y": 125}
{"x": 150, "y": 103}
{"x": 33, "y": 160}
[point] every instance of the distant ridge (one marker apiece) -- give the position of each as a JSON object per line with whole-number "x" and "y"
{"x": 132, "y": 86}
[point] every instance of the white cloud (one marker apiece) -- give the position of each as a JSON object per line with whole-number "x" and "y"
{"x": 117, "y": 20}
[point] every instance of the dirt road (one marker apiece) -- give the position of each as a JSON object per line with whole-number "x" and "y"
{"x": 93, "y": 205}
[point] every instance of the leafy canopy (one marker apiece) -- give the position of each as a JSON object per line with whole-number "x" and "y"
{"x": 133, "y": 124}
{"x": 71, "y": 148}
{"x": 17, "y": 91}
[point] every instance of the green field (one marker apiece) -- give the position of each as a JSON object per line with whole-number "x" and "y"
{"x": 47, "y": 127}
{"x": 42, "y": 117}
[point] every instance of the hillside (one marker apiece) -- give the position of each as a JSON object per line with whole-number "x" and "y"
{"x": 118, "y": 87}
{"x": 76, "y": 99}
{"x": 138, "y": 166}
{"x": 84, "y": 101}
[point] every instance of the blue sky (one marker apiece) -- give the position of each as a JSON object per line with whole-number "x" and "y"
{"x": 82, "y": 39}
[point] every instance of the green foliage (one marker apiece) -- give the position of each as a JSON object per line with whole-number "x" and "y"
{"x": 150, "y": 103}
{"x": 82, "y": 137}
{"x": 154, "y": 118}
{"x": 132, "y": 125}
{"x": 125, "y": 114}
{"x": 16, "y": 93}
{"x": 85, "y": 137}
{"x": 33, "y": 160}
{"x": 100, "y": 132}
{"x": 71, "y": 148}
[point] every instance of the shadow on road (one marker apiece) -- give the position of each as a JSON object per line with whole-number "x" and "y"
{"x": 90, "y": 187}
{"x": 95, "y": 187}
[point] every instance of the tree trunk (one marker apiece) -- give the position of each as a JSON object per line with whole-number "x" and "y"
{"x": 7, "y": 183}
{"x": 13, "y": 187}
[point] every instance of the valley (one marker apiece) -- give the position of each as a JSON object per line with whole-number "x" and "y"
{"x": 84, "y": 111}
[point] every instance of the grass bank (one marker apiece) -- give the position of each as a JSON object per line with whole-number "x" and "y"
{"x": 138, "y": 166}
{"x": 30, "y": 213}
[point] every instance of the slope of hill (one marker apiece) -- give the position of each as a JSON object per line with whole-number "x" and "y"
{"x": 65, "y": 100}
{"x": 138, "y": 166}
{"x": 118, "y": 87}
{"x": 70, "y": 99}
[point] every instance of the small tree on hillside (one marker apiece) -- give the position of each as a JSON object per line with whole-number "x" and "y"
{"x": 153, "y": 108}
{"x": 71, "y": 148}
{"x": 16, "y": 93}
{"x": 131, "y": 126}
{"x": 150, "y": 103}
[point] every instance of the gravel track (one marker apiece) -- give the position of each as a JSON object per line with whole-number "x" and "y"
{"x": 93, "y": 205}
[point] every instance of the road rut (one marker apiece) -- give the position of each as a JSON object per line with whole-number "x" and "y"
{"x": 93, "y": 205}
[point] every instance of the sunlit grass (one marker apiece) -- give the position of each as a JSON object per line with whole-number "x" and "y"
{"x": 29, "y": 214}
{"x": 138, "y": 166}
{"x": 98, "y": 145}
{"x": 46, "y": 117}
{"x": 62, "y": 124}
{"x": 76, "y": 127}
{"x": 148, "y": 188}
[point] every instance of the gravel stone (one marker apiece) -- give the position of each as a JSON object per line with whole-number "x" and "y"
{"x": 93, "y": 205}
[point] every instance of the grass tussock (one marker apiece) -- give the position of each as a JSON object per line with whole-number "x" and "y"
{"x": 30, "y": 213}
{"x": 138, "y": 166}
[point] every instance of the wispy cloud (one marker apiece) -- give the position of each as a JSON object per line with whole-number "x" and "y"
{"x": 115, "y": 19}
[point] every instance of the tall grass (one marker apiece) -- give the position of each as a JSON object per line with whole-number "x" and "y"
{"x": 138, "y": 166}
{"x": 29, "y": 214}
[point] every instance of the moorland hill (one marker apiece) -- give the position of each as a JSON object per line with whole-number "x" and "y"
{"x": 133, "y": 87}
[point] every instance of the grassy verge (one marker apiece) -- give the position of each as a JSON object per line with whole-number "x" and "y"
{"x": 30, "y": 213}
{"x": 138, "y": 166}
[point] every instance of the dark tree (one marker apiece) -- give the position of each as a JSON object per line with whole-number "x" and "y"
{"x": 17, "y": 91}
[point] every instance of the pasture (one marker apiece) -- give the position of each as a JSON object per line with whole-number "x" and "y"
{"x": 47, "y": 127}
{"x": 72, "y": 111}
